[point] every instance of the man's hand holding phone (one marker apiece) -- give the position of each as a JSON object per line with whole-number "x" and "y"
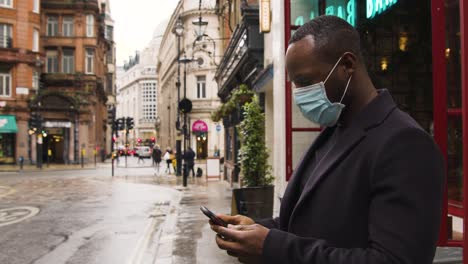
{"x": 242, "y": 238}
{"x": 235, "y": 220}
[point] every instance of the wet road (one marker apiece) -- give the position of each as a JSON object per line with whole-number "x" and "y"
{"x": 81, "y": 216}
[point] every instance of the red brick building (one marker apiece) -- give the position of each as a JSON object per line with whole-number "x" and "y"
{"x": 57, "y": 64}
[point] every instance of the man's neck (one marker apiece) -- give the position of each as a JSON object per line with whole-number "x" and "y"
{"x": 365, "y": 92}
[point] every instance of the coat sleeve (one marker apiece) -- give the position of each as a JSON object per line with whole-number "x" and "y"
{"x": 269, "y": 222}
{"x": 404, "y": 211}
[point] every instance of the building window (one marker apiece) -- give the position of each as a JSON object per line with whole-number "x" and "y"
{"x": 35, "y": 80}
{"x": 68, "y": 61}
{"x": 110, "y": 83}
{"x": 52, "y": 26}
{"x": 67, "y": 29}
{"x": 36, "y": 5}
{"x": 5, "y": 84}
{"x": 110, "y": 56}
{"x": 5, "y": 36}
{"x": 201, "y": 86}
{"x": 51, "y": 61}
{"x": 89, "y": 61}
{"x": 35, "y": 47}
{"x": 149, "y": 104}
{"x": 89, "y": 25}
{"x": 109, "y": 32}
{"x": 6, "y": 3}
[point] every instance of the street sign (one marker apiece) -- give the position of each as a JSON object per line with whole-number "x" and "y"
{"x": 218, "y": 128}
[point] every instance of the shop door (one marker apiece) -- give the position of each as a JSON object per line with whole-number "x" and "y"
{"x": 202, "y": 145}
{"x": 54, "y": 146}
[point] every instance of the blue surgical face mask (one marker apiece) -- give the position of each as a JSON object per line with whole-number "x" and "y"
{"x": 315, "y": 105}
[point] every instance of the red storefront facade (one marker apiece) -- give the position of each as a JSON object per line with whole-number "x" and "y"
{"x": 418, "y": 51}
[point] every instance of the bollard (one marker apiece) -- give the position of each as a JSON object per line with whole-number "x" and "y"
{"x": 49, "y": 154}
{"x": 21, "y": 161}
{"x": 95, "y": 157}
{"x": 82, "y": 158}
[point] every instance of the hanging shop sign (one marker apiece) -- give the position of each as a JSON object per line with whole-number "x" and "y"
{"x": 199, "y": 126}
{"x": 377, "y": 7}
{"x": 265, "y": 16}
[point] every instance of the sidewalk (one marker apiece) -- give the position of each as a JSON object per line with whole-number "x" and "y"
{"x": 54, "y": 167}
{"x": 186, "y": 236}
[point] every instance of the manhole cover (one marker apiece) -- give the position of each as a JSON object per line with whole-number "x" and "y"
{"x": 15, "y": 215}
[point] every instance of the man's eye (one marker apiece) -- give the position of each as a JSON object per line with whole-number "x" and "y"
{"x": 301, "y": 84}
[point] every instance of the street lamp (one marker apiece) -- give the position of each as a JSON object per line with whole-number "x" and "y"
{"x": 200, "y": 25}
{"x": 185, "y": 106}
{"x": 178, "y": 31}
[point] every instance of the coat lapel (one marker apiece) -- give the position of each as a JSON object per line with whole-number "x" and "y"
{"x": 291, "y": 193}
{"x": 343, "y": 146}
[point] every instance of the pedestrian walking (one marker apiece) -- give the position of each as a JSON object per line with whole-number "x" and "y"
{"x": 174, "y": 160}
{"x": 140, "y": 157}
{"x": 167, "y": 158}
{"x": 156, "y": 155}
{"x": 189, "y": 158}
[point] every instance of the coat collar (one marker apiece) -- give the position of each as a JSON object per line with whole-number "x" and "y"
{"x": 371, "y": 116}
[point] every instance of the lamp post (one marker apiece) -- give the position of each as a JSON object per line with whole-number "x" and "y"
{"x": 200, "y": 32}
{"x": 178, "y": 31}
{"x": 185, "y": 105}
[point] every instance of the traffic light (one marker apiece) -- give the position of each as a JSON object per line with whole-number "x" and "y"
{"x": 110, "y": 115}
{"x": 139, "y": 140}
{"x": 120, "y": 123}
{"x": 35, "y": 123}
{"x": 130, "y": 123}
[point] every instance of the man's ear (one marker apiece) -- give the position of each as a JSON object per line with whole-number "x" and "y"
{"x": 350, "y": 62}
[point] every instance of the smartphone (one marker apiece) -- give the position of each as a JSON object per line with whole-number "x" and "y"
{"x": 216, "y": 220}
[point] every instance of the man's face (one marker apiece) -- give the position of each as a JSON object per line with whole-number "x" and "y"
{"x": 306, "y": 67}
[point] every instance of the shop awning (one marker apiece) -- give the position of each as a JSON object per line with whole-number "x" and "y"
{"x": 8, "y": 124}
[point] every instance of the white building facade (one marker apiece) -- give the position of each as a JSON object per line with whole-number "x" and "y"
{"x": 137, "y": 95}
{"x": 205, "y": 136}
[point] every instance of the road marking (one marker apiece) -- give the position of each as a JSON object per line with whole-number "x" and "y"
{"x": 15, "y": 215}
{"x": 5, "y": 191}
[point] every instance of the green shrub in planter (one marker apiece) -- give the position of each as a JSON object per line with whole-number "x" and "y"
{"x": 255, "y": 198}
{"x": 253, "y": 154}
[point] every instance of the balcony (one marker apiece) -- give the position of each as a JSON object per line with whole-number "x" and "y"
{"x": 70, "y": 4}
{"x": 243, "y": 56}
{"x": 66, "y": 79}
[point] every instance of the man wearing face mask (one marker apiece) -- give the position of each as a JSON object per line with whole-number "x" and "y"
{"x": 369, "y": 189}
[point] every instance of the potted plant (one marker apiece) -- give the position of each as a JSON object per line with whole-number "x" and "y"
{"x": 242, "y": 95}
{"x": 255, "y": 197}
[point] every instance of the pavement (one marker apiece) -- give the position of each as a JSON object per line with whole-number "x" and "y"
{"x": 186, "y": 236}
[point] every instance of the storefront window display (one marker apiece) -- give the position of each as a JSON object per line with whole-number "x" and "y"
{"x": 7, "y": 148}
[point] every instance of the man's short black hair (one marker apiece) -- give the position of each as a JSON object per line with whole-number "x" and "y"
{"x": 332, "y": 36}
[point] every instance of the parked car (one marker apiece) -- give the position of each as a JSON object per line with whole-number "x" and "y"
{"x": 144, "y": 152}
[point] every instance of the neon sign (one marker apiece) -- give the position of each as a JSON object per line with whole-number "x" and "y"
{"x": 305, "y": 10}
{"x": 375, "y": 7}
{"x": 347, "y": 13}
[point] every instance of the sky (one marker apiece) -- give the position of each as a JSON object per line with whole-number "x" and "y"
{"x": 135, "y": 21}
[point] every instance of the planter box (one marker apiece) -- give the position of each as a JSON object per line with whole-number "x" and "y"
{"x": 254, "y": 202}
